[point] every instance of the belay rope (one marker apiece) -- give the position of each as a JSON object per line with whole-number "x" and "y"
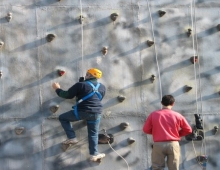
{"x": 95, "y": 91}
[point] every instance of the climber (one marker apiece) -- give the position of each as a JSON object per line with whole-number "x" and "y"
{"x": 166, "y": 127}
{"x": 88, "y": 93}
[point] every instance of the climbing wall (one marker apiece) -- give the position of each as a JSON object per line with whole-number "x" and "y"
{"x": 145, "y": 48}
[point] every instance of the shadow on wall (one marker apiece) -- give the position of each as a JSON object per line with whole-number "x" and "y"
{"x": 31, "y": 45}
{"x": 45, "y": 79}
{"x": 3, "y": 20}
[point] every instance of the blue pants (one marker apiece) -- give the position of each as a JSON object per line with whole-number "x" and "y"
{"x": 93, "y": 122}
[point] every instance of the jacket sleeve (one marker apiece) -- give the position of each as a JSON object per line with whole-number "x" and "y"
{"x": 147, "y": 128}
{"x": 185, "y": 128}
{"x": 69, "y": 94}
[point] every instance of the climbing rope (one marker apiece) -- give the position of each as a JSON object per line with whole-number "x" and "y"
{"x": 158, "y": 68}
{"x": 81, "y": 18}
{"x": 194, "y": 39}
{"x": 119, "y": 155}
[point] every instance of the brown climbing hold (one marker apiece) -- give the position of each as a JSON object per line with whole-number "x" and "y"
{"x": 187, "y": 88}
{"x": 161, "y": 13}
{"x": 9, "y": 17}
{"x": 131, "y": 140}
{"x": 121, "y": 98}
{"x": 194, "y": 59}
{"x": 61, "y": 72}
{"x": 1, "y": 44}
{"x": 114, "y": 16}
{"x": 150, "y": 43}
{"x": 189, "y": 32}
{"x": 81, "y": 19}
{"x": 19, "y": 130}
{"x": 124, "y": 125}
{"x": 54, "y": 108}
{"x": 50, "y": 37}
{"x": 104, "y": 50}
{"x": 153, "y": 78}
{"x": 218, "y": 27}
{"x": 1, "y": 74}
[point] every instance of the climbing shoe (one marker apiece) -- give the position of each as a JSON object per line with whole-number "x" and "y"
{"x": 96, "y": 157}
{"x": 70, "y": 141}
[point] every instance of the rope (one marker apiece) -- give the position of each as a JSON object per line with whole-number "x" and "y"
{"x": 197, "y": 49}
{"x": 81, "y": 36}
{"x": 119, "y": 155}
{"x": 158, "y": 68}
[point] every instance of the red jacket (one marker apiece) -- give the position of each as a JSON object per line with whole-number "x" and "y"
{"x": 166, "y": 125}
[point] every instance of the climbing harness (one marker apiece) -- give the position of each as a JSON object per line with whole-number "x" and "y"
{"x": 95, "y": 91}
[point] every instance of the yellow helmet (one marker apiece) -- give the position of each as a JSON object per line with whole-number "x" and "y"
{"x": 95, "y": 72}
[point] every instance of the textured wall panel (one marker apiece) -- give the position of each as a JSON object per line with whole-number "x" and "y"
{"x": 29, "y": 65}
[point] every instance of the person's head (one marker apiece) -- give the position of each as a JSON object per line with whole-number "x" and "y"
{"x": 93, "y": 73}
{"x": 168, "y": 100}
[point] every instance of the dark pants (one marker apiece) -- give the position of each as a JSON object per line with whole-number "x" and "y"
{"x": 93, "y": 122}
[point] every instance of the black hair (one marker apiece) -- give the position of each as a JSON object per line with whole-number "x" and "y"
{"x": 167, "y": 100}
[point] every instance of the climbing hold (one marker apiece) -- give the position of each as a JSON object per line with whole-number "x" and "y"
{"x": 1, "y": 44}
{"x": 54, "y": 108}
{"x": 161, "y": 13}
{"x": 153, "y": 78}
{"x": 131, "y": 140}
{"x": 50, "y": 37}
{"x": 1, "y": 74}
{"x": 60, "y": 72}
{"x": 215, "y": 129}
{"x": 194, "y": 59}
{"x": 81, "y": 19}
{"x": 150, "y": 43}
{"x": 121, "y": 98}
{"x": 189, "y": 32}
{"x": 202, "y": 159}
{"x": 124, "y": 125}
{"x": 81, "y": 79}
{"x": 218, "y": 27}
{"x": 9, "y": 17}
{"x": 19, "y": 130}
{"x": 114, "y": 16}
{"x": 187, "y": 88}
{"x": 104, "y": 50}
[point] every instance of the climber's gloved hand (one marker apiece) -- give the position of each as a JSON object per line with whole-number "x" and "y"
{"x": 81, "y": 79}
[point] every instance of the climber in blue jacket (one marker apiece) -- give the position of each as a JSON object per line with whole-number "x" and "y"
{"x": 88, "y": 93}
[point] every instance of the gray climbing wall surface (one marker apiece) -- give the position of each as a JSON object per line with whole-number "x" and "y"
{"x": 141, "y": 42}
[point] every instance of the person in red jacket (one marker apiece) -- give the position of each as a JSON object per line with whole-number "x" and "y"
{"x": 167, "y": 127}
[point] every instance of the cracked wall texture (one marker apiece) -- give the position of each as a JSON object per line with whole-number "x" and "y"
{"x": 29, "y": 66}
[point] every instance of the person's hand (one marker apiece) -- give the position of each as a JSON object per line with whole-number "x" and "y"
{"x": 56, "y": 86}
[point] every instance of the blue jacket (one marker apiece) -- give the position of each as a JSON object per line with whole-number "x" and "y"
{"x": 82, "y": 89}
